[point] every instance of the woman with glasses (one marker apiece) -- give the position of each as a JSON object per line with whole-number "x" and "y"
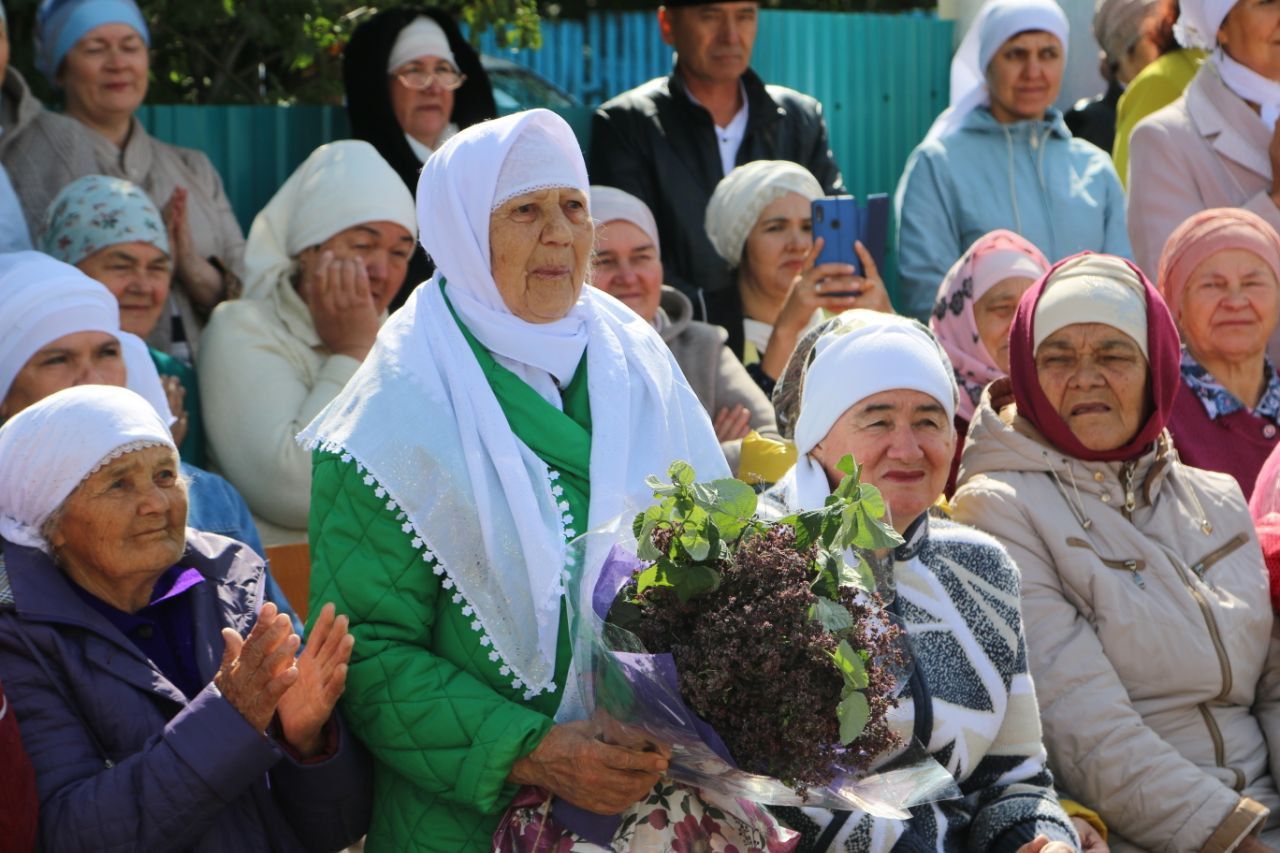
{"x": 413, "y": 81}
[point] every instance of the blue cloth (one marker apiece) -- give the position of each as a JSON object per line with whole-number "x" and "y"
{"x": 161, "y": 630}
{"x": 13, "y": 225}
{"x": 94, "y": 212}
{"x": 62, "y": 23}
{"x": 1030, "y": 177}
{"x": 124, "y": 761}
{"x": 214, "y": 506}
{"x": 1218, "y": 401}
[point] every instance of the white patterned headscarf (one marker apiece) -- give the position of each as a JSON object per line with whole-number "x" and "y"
{"x": 50, "y": 447}
{"x": 743, "y": 194}
{"x": 1199, "y": 21}
{"x": 481, "y": 507}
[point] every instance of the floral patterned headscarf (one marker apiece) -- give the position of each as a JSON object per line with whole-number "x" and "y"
{"x": 94, "y": 212}
{"x": 990, "y": 260}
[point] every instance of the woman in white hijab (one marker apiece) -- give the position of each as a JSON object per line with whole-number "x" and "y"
{"x": 1217, "y": 145}
{"x": 880, "y": 388}
{"x": 323, "y": 261}
{"x": 504, "y": 410}
{"x": 1001, "y": 157}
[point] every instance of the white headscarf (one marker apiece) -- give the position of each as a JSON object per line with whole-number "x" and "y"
{"x": 41, "y": 300}
{"x": 461, "y": 185}
{"x": 49, "y": 448}
{"x": 341, "y": 185}
{"x": 866, "y": 354}
{"x": 472, "y": 495}
{"x": 422, "y": 37}
{"x": 744, "y": 193}
{"x": 997, "y": 22}
{"x": 1199, "y": 22}
{"x": 610, "y": 204}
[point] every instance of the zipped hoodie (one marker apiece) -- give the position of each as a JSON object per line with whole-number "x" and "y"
{"x": 1148, "y": 630}
{"x": 1029, "y": 177}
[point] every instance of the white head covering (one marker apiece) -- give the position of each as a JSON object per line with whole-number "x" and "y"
{"x": 883, "y": 352}
{"x": 341, "y": 185}
{"x": 744, "y": 193}
{"x": 475, "y": 499}
{"x": 996, "y": 23}
{"x": 1199, "y": 22}
{"x": 1093, "y": 289}
{"x": 461, "y": 185}
{"x": 610, "y": 204}
{"x": 143, "y": 378}
{"x": 41, "y": 300}
{"x": 423, "y": 37}
{"x": 49, "y": 448}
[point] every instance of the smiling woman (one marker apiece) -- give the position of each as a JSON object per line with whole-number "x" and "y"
{"x": 1140, "y": 574}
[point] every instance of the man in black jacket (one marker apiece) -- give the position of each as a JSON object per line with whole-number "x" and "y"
{"x": 670, "y": 141}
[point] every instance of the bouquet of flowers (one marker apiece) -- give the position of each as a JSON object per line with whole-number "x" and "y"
{"x": 757, "y": 649}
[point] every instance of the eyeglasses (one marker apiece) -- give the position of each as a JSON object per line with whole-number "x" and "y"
{"x": 418, "y": 80}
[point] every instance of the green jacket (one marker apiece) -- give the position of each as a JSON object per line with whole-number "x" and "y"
{"x": 433, "y": 705}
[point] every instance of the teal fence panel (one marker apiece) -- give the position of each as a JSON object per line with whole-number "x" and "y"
{"x": 880, "y": 78}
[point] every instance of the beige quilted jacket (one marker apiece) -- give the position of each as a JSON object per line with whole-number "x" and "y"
{"x": 1149, "y": 631}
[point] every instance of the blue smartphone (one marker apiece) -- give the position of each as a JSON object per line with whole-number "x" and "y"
{"x": 841, "y": 222}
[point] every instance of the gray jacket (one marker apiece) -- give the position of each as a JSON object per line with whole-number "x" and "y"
{"x": 714, "y": 373}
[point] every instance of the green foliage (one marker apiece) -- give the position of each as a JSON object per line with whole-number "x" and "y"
{"x": 694, "y": 528}
{"x": 265, "y": 51}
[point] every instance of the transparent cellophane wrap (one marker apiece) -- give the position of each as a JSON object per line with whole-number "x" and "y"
{"x": 620, "y": 680}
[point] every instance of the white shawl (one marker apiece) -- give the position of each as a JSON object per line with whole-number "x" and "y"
{"x": 420, "y": 418}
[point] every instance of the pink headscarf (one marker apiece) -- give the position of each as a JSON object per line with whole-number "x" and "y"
{"x": 1203, "y": 236}
{"x": 990, "y": 260}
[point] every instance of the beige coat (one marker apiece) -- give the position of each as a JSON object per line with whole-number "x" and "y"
{"x": 1206, "y": 149}
{"x": 264, "y": 374}
{"x": 1149, "y": 631}
{"x": 54, "y": 150}
{"x": 713, "y": 371}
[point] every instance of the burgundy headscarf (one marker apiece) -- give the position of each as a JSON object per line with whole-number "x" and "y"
{"x": 1163, "y": 354}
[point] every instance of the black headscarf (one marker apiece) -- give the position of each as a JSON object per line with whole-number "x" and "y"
{"x": 364, "y": 76}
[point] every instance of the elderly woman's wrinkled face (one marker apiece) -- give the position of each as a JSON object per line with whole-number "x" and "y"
{"x": 777, "y": 245}
{"x": 1229, "y": 307}
{"x": 423, "y": 113}
{"x": 125, "y": 523}
{"x": 1251, "y": 36}
{"x": 626, "y": 266}
{"x": 81, "y": 358}
{"x": 903, "y": 440}
{"x": 1095, "y": 376}
{"x": 993, "y": 315}
{"x": 104, "y": 74}
{"x": 539, "y": 249}
{"x": 138, "y": 275}
{"x": 385, "y": 247}
{"x": 1025, "y": 75}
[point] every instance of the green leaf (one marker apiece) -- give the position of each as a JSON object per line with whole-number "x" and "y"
{"x": 847, "y": 466}
{"x": 851, "y": 666}
{"x": 686, "y": 580}
{"x": 871, "y": 500}
{"x": 830, "y": 615}
{"x": 681, "y": 473}
{"x": 858, "y": 576}
{"x": 660, "y": 489}
{"x": 808, "y": 527}
{"x": 853, "y": 713}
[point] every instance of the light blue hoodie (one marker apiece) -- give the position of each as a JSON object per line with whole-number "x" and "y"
{"x": 1030, "y": 177}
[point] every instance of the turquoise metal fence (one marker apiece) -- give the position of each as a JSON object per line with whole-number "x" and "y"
{"x": 880, "y": 78}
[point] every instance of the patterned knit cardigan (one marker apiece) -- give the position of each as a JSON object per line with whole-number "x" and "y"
{"x": 957, "y": 594}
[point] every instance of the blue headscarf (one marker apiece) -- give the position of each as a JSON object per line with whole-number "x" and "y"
{"x": 95, "y": 212}
{"x": 62, "y": 23}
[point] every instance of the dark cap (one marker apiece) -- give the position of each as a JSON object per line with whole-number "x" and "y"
{"x": 678, "y": 4}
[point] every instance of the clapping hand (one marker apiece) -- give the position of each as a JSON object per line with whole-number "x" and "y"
{"x": 322, "y": 675}
{"x": 258, "y": 669}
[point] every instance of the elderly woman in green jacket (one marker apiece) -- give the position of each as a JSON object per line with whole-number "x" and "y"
{"x": 504, "y": 410}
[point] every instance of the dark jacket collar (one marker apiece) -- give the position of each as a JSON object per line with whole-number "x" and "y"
{"x": 916, "y": 535}
{"x": 39, "y": 592}
{"x": 762, "y": 109}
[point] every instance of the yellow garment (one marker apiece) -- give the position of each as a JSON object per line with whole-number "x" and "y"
{"x": 1156, "y": 86}
{"x": 765, "y": 460}
{"x": 1074, "y": 809}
